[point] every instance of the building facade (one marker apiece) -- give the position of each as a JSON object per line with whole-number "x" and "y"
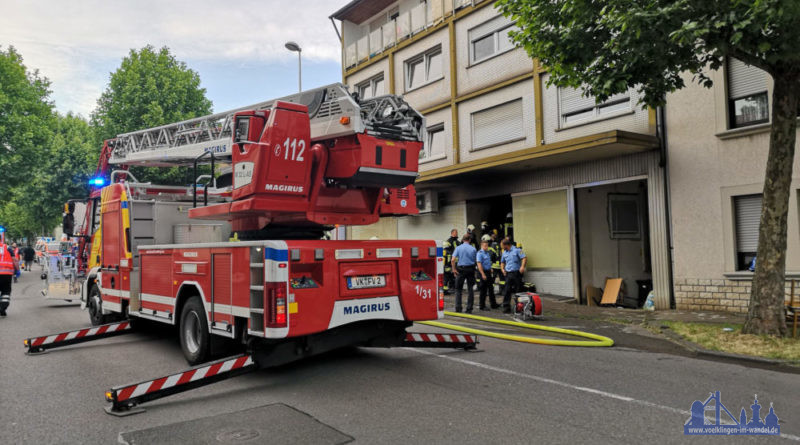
{"x": 584, "y": 182}
{"x": 718, "y": 141}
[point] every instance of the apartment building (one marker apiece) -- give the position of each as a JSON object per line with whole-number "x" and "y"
{"x": 584, "y": 182}
{"x": 718, "y": 140}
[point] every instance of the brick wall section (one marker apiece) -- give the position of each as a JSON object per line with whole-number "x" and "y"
{"x": 718, "y": 295}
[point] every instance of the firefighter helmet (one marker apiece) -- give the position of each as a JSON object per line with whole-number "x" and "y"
{"x": 470, "y": 227}
{"x": 486, "y": 238}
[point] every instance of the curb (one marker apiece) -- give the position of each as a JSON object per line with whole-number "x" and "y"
{"x": 699, "y": 350}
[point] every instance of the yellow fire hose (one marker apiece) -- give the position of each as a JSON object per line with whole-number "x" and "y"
{"x": 598, "y": 340}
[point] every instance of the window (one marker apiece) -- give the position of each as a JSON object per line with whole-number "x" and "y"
{"x": 747, "y": 211}
{"x": 500, "y": 124}
{"x": 424, "y": 69}
{"x": 490, "y": 39}
{"x": 748, "y": 103}
{"x": 624, "y": 218}
{"x": 434, "y": 145}
{"x": 575, "y": 107}
{"x": 371, "y": 88}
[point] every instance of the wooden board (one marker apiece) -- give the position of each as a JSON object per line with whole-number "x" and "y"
{"x": 611, "y": 292}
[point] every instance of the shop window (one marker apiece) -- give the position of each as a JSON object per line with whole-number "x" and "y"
{"x": 748, "y": 103}
{"x": 624, "y": 216}
{"x": 575, "y": 107}
{"x": 371, "y": 88}
{"x": 497, "y": 125}
{"x": 490, "y": 39}
{"x": 747, "y": 211}
{"x": 424, "y": 69}
{"x": 434, "y": 145}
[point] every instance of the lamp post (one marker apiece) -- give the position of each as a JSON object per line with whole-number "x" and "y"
{"x": 293, "y": 46}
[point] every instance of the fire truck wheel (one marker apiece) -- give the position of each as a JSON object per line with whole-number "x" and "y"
{"x": 195, "y": 339}
{"x": 95, "y": 307}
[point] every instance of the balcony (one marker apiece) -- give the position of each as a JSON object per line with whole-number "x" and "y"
{"x": 367, "y": 44}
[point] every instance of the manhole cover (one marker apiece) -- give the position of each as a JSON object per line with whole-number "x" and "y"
{"x": 238, "y": 435}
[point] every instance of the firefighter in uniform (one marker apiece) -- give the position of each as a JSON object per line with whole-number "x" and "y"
{"x": 8, "y": 268}
{"x": 509, "y": 227}
{"x": 496, "y": 251}
{"x": 471, "y": 232}
{"x": 449, "y": 246}
{"x": 483, "y": 276}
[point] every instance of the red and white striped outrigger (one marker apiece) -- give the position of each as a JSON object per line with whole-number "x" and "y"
{"x": 126, "y": 398}
{"x": 457, "y": 341}
{"x": 40, "y": 344}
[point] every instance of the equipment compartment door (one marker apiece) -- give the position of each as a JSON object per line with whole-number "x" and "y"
{"x": 221, "y": 290}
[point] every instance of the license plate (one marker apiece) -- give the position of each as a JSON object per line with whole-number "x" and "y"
{"x": 366, "y": 282}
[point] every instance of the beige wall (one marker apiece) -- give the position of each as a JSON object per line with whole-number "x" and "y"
{"x": 491, "y": 71}
{"x": 435, "y": 226}
{"x": 431, "y": 94}
{"x": 385, "y": 228}
{"x": 708, "y": 165}
{"x": 634, "y": 120}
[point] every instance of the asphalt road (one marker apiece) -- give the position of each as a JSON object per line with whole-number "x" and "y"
{"x": 504, "y": 393}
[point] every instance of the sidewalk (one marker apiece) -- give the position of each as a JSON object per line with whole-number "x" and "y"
{"x": 564, "y": 307}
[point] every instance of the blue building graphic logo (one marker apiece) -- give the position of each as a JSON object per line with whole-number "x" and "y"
{"x": 724, "y": 423}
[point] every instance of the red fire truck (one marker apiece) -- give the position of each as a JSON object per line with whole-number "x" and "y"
{"x": 241, "y": 253}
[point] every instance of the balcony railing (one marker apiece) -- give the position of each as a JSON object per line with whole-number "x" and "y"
{"x": 418, "y": 19}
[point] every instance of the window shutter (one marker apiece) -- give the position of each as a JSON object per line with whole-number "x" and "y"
{"x": 748, "y": 216}
{"x": 573, "y": 100}
{"x": 745, "y": 80}
{"x": 497, "y": 124}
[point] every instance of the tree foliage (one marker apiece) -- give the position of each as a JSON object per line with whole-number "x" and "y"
{"x": 150, "y": 88}
{"x": 610, "y": 46}
{"x": 25, "y": 119}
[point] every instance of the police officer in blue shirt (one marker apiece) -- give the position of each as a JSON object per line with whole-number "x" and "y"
{"x": 464, "y": 268}
{"x": 513, "y": 266}
{"x": 484, "y": 275}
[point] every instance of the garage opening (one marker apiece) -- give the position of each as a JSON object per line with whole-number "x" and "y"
{"x": 493, "y": 210}
{"x": 613, "y": 239}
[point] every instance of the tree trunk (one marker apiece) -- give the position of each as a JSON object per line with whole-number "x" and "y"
{"x": 766, "y": 312}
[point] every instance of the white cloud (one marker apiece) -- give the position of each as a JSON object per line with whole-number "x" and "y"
{"x": 76, "y": 43}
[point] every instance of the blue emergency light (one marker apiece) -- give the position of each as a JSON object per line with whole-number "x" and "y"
{"x": 2, "y": 229}
{"x": 97, "y": 182}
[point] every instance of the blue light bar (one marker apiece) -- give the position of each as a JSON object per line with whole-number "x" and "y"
{"x": 2, "y": 229}
{"x": 97, "y": 182}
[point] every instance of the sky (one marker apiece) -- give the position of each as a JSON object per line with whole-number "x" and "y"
{"x": 236, "y": 47}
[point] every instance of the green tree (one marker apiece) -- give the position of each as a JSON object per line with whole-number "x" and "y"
{"x": 609, "y": 46}
{"x": 26, "y": 115}
{"x": 150, "y": 88}
{"x": 68, "y": 160}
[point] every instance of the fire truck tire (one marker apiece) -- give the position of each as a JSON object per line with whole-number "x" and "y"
{"x": 94, "y": 305}
{"x": 195, "y": 338}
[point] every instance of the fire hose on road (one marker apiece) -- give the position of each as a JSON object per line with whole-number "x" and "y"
{"x": 596, "y": 340}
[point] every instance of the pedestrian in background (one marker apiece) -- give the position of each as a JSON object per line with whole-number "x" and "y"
{"x": 29, "y": 254}
{"x": 512, "y": 264}
{"x": 464, "y": 265}
{"x": 484, "y": 276}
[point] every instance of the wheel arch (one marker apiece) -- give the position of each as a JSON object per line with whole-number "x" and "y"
{"x": 186, "y": 291}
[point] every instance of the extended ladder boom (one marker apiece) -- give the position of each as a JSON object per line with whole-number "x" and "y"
{"x": 332, "y": 110}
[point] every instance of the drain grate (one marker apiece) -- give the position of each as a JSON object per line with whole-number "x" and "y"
{"x": 276, "y": 423}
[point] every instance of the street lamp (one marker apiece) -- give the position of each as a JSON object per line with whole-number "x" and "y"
{"x": 293, "y": 46}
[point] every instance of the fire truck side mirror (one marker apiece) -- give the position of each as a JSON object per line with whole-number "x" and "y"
{"x": 248, "y": 129}
{"x": 242, "y": 131}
